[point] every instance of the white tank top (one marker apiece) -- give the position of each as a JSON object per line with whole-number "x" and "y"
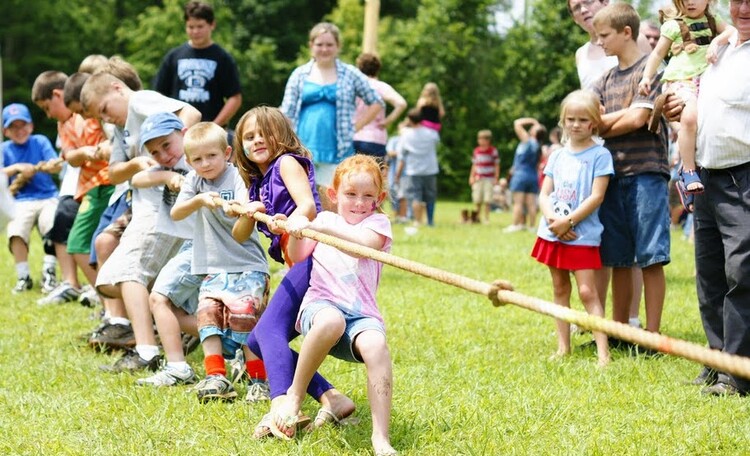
{"x": 589, "y": 71}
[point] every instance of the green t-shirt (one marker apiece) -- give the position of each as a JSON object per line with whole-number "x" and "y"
{"x": 685, "y": 66}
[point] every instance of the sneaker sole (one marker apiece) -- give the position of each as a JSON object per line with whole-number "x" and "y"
{"x": 112, "y": 345}
{"x": 226, "y": 397}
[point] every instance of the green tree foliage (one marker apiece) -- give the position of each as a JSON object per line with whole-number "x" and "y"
{"x": 487, "y": 78}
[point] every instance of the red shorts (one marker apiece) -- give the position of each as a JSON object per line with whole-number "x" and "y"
{"x": 565, "y": 256}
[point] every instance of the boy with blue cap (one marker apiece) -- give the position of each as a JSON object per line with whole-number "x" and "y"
{"x": 36, "y": 201}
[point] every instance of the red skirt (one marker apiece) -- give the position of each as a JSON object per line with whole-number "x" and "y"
{"x": 564, "y": 256}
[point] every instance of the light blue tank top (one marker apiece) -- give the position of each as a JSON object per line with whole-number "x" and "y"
{"x": 317, "y": 121}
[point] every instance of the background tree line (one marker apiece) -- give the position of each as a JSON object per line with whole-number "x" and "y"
{"x": 487, "y": 78}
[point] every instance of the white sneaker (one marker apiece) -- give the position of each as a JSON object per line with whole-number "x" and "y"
{"x": 169, "y": 376}
{"x": 49, "y": 280}
{"x": 89, "y": 297}
{"x": 257, "y": 391}
{"x": 62, "y": 293}
{"x": 513, "y": 228}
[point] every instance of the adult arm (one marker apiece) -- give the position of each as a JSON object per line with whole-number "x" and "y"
{"x": 188, "y": 115}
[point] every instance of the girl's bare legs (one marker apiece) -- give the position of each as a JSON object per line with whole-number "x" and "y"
{"x": 518, "y": 214}
{"x": 530, "y": 200}
{"x": 561, "y": 289}
{"x": 327, "y": 327}
{"x": 585, "y": 278}
{"x": 373, "y": 350}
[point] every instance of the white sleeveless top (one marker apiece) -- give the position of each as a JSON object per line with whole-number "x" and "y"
{"x": 589, "y": 71}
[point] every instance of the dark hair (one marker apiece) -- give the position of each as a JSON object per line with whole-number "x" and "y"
{"x": 46, "y": 83}
{"x": 369, "y": 64}
{"x": 414, "y": 115}
{"x": 199, "y": 10}
{"x": 72, "y": 89}
{"x": 541, "y": 134}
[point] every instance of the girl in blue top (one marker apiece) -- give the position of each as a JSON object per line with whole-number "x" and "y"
{"x": 569, "y": 234}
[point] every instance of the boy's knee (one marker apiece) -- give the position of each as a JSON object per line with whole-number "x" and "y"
{"x": 157, "y": 301}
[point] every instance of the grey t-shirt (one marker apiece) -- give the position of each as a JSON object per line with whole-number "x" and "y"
{"x": 164, "y": 224}
{"x": 214, "y": 249}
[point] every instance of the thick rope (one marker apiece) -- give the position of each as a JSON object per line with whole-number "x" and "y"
{"x": 21, "y": 180}
{"x": 500, "y": 292}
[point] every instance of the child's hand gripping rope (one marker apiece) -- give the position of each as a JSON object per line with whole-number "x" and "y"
{"x": 52, "y": 166}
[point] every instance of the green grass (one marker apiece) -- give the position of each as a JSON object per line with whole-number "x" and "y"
{"x": 468, "y": 378}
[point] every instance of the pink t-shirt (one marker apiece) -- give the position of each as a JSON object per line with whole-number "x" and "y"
{"x": 347, "y": 281}
{"x": 375, "y": 131}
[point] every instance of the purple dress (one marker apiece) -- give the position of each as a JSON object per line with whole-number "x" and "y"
{"x": 270, "y": 338}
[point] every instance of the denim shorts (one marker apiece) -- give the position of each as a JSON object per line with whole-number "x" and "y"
{"x": 635, "y": 215}
{"x": 177, "y": 283}
{"x": 524, "y": 183}
{"x": 421, "y": 188}
{"x": 355, "y": 324}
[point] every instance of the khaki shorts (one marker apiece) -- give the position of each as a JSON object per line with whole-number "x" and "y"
{"x": 481, "y": 191}
{"x": 141, "y": 254}
{"x": 30, "y": 213}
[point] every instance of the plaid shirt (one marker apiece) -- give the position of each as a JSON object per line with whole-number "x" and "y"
{"x": 350, "y": 84}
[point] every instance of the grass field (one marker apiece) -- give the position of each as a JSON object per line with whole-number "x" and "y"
{"x": 468, "y": 378}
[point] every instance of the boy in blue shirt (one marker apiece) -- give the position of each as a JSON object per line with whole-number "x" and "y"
{"x": 36, "y": 201}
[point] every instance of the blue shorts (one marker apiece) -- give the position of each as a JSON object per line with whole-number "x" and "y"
{"x": 355, "y": 324}
{"x": 177, "y": 283}
{"x": 524, "y": 183}
{"x": 370, "y": 148}
{"x": 635, "y": 215}
{"x": 112, "y": 212}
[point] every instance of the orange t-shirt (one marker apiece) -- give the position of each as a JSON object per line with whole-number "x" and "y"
{"x": 77, "y": 132}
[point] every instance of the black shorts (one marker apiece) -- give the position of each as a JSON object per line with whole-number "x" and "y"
{"x": 67, "y": 208}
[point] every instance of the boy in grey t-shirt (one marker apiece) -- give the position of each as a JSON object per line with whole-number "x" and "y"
{"x": 235, "y": 290}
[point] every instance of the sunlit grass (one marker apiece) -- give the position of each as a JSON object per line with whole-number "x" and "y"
{"x": 469, "y": 378}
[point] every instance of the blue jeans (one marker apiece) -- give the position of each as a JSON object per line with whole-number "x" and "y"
{"x": 635, "y": 215}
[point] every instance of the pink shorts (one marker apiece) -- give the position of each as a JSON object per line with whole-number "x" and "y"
{"x": 686, "y": 90}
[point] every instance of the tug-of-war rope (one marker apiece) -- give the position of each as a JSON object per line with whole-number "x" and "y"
{"x": 21, "y": 180}
{"x": 500, "y": 292}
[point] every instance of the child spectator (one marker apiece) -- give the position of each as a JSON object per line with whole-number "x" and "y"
{"x": 279, "y": 172}
{"x": 396, "y": 191}
{"x": 693, "y": 35}
{"x": 174, "y": 297}
{"x": 142, "y": 252}
{"x": 484, "y": 173}
{"x": 201, "y": 72}
{"x": 430, "y": 106}
{"x": 501, "y": 196}
{"x": 79, "y": 142}
{"x": 569, "y": 233}
{"x": 36, "y": 201}
{"x": 524, "y": 180}
{"x": 417, "y": 153}
{"x": 635, "y": 211}
{"x": 234, "y": 292}
{"x": 339, "y": 314}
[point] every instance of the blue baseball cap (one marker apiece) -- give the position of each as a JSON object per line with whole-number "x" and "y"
{"x": 15, "y": 111}
{"x": 158, "y": 125}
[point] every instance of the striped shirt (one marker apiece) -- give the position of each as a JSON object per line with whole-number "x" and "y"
{"x": 639, "y": 151}
{"x": 724, "y": 109}
{"x": 350, "y": 84}
{"x": 485, "y": 161}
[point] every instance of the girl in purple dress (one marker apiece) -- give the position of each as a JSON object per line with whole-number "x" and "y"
{"x": 277, "y": 169}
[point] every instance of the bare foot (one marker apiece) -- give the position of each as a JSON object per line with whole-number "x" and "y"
{"x": 337, "y": 404}
{"x": 382, "y": 447}
{"x": 285, "y": 416}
